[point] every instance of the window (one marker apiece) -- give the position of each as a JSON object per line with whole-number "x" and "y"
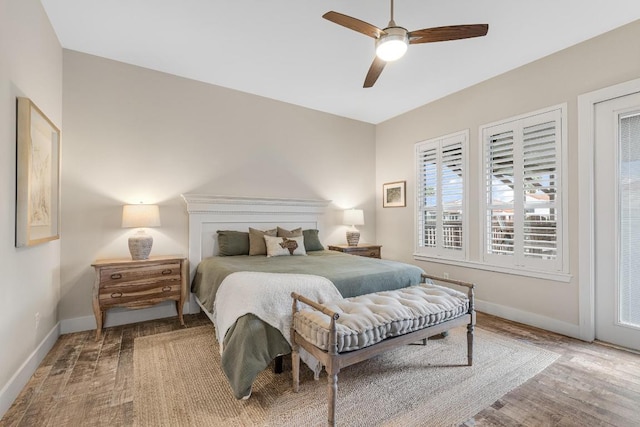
{"x": 441, "y": 213}
{"x": 523, "y": 211}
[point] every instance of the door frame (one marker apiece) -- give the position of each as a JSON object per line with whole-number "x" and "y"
{"x": 586, "y": 196}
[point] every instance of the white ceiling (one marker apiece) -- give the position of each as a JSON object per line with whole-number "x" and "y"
{"x": 283, "y": 49}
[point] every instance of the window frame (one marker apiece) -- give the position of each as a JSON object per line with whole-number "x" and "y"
{"x": 439, "y": 251}
{"x": 519, "y": 262}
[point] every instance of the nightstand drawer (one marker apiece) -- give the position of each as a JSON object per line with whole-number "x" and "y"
{"x": 140, "y": 295}
{"x": 114, "y": 275}
{"x": 366, "y": 252}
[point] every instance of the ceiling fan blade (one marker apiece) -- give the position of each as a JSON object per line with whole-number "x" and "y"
{"x": 374, "y": 72}
{"x": 452, "y": 32}
{"x": 354, "y": 24}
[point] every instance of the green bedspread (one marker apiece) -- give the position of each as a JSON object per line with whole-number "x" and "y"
{"x": 251, "y": 344}
{"x": 352, "y": 275}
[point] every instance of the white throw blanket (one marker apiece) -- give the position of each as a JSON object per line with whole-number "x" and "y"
{"x": 268, "y": 296}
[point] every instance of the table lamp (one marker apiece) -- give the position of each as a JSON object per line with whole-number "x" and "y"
{"x": 353, "y": 217}
{"x": 140, "y": 216}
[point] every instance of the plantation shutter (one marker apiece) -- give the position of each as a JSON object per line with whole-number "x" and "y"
{"x": 452, "y": 195}
{"x": 499, "y": 179}
{"x": 426, "y": 193}
{"x": 539, "y": 190}
{"x": 441, "y": 197}
{"x": 522, "y": 160}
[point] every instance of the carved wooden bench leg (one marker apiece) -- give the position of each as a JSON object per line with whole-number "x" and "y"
{"x": 295, "y": 367}
{"x": 295, "y": 355}
{"x": 470, "y": 328}
{"x": 332, "y": 388}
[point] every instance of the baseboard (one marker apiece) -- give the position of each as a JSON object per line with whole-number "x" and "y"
{"x": 17, "y": 382}
{"x": 528, "y": 318}
{"x": 123, "y": 316}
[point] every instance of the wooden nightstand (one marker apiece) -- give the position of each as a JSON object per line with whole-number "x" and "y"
{"x": 370, "y": 251}
{"x": 138, "y": 284}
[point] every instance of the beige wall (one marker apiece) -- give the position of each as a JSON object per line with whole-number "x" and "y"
{"x": 133, "y": 134}
{"x": 30, "y": 281}
{"x": 559, "y": 78}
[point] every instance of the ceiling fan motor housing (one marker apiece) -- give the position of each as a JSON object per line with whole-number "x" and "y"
{"x": 392, "y": 44}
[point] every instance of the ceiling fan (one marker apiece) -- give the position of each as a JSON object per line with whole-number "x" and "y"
{"x": 392, "y": 41}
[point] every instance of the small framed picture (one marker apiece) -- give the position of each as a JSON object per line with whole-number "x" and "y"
{"x": 393, "y": 194}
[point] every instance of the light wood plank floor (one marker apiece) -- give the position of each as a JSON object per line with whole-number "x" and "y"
{"x": 84, "y": 383}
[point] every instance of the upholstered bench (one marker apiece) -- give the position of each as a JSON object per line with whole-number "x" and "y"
{"x": 350, "y": 330}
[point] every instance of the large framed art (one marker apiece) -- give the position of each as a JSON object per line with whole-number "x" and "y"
{"x": 38, "y": 176}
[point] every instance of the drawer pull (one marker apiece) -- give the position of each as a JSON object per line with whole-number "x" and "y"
{"x": 372, "y": 254}
{"x": 166, "y": 272}
{"x": 116, "y": 295}
{"x": 116, "y": 276}
{"x": 166, "y": 289}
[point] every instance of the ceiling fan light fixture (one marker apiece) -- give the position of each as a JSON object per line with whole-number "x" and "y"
{"x": 393, "y": 44}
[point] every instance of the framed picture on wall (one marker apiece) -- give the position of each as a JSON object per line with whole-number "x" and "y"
{"x": 38, "y": 176}
{"x": 393, "y": 194}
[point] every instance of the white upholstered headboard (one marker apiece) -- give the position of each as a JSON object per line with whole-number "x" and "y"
{"x": 208, "y": 213}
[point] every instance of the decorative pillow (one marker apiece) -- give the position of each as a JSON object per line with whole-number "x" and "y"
{"x": 279, "y": 246}
{"x": 286, "y": 233}
{"x": 256, "y": 241}
{"x": 233, "y": 243}
{"x": 312, "y": 241}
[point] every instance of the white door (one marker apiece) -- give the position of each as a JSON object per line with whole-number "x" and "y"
{"x": 617, "y": 221}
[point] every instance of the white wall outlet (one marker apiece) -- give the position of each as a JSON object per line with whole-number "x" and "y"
{"x": 37, "y": 320}
{"x": 445, "y": 275}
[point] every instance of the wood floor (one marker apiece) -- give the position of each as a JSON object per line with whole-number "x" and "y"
{"x": 86, "y": 383}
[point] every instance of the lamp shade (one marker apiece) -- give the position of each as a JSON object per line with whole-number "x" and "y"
{"x": 353, "y": 217}
{"x": 140, "y": 216}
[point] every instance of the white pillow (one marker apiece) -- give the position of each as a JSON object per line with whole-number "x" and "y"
{"x": 279, "y": 246}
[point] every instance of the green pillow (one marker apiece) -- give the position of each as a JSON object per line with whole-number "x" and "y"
{"x": 233, "y": 243}
{"x": 312, "y": 241}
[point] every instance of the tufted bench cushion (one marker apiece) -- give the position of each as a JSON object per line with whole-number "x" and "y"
{"x": 368, "y": 319}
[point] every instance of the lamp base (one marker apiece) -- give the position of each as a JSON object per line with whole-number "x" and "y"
{"x": 353, "y": 237}
{"x": 140, "y": 245}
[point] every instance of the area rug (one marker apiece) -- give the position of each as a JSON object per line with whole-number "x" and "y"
{"x": 179, "y": 382}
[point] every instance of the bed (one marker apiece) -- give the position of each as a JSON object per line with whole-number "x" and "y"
{"x": 251, "y": 341}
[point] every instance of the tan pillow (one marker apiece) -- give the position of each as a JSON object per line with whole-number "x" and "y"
{"x": 286, "y": 233}
{"x": 279, "y": 246}
{"x": 256, "y": 240}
